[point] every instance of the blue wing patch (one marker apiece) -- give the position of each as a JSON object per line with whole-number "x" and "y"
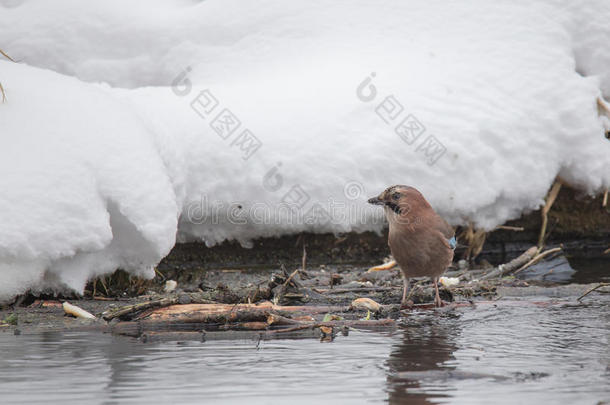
{"x": 452, "y": 242}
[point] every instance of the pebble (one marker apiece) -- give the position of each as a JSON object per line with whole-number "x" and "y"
{"x": 170, "y": 285}
{"x": 366, "y": 303}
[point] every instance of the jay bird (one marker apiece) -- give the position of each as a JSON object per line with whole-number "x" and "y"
{"x": 421, "y": 242}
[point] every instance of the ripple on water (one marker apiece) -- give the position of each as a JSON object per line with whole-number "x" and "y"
{"x": 507, "y": 353}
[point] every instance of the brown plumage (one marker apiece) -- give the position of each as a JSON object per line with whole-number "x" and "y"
{"x": 421, "y": 241}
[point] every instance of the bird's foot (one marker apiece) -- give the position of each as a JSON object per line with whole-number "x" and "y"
{"x": 438, "y": 302}
{"x": 386, "y": 266}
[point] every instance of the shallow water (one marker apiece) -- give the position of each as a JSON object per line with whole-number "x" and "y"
{"x": 511, "y": 352}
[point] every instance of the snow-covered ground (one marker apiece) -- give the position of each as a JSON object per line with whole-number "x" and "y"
{"x": 129, "y": 125}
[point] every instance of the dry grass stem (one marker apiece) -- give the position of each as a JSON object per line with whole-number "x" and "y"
{"x": 475, "y": 240}
{"x": 510, "y": 228}
{"x": 537, "y": 258}
{"x": 304, "y": 260}
{"x": 590, "y": 290}
{"x": 2, "y": 88}
{"x": 550, "y": 199}
{"x": 603, "y": 106}
{"x": 6, "y": 56}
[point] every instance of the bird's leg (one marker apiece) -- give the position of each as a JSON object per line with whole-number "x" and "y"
{"x": 437, "y": 298}
{"x": 386, "y": 266}
{"x": 405, "y": 289}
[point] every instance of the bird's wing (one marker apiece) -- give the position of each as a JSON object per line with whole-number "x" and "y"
{"x": 443, "y": 227}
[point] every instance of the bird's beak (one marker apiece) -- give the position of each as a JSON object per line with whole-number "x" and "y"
{"x": 376, "y": 201}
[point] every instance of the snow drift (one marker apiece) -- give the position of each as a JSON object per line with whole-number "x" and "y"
{"x": 130, "y": 124}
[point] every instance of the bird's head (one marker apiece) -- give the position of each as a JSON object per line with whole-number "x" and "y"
{"x": 399, "y": 199}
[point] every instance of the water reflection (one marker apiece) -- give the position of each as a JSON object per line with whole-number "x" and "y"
{"x": 125, "y": 359}
{"x": 502, "y": 353}
{"x": 426, "y": 342}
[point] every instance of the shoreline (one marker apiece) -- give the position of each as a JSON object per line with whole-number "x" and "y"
{"x": 332, "y": 271}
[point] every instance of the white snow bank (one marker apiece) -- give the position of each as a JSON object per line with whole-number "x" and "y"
{"x": 84, "y": 189}
{"x": 95, "y": 177}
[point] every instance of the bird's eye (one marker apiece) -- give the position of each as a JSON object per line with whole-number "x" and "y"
{"x": 396, "y": 196}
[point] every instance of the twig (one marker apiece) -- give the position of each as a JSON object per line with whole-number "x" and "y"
{"x": 509, "y": 267}
{"x": 475, "y": 239}
{"x": 157, "y": 272}
{"x": 293, "y": 279}
{"x": 289, "y": 279}
{"x": 280, "y": 291}
{"x": 104, "y": 285}
{"x": 603, "y": 106}
{"x": 6, "y": 56}
{"x": 2, "y": 88}
{"x": 550, "y": 199}
{"x": 538, "y": 258}
{"x": 590, "y": 290}
{"x": 251, "y": 325}
{"x": 331, "y": 324}
{"x": 550, "y": 231}
{"x": 100, "y": 298}
{"x": 276, "y": 319}
{"x": 354, "y": 290}
{"x": 294, "y": 328}
{"x": 509, "y": 228}
{"x": 304, "y": 260}
{"x": 136, "y": 308}
{"x": 414, "y": 287}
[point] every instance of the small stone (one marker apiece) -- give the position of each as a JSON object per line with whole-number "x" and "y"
{"x": 366, "y": 303}
{"x": 462, "y": 264}
{"x": 170, "y": 285}
{"x": 184, "y": 299}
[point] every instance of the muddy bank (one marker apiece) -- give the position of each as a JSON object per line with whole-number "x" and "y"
{"x": 315, "y": 302}
{"x": 331, "y": 271}
{"x": 48, "y": 315}
{"x": 579, "y": 224}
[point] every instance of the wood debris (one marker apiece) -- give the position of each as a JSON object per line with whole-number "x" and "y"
{"x": 77, "y": 311}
